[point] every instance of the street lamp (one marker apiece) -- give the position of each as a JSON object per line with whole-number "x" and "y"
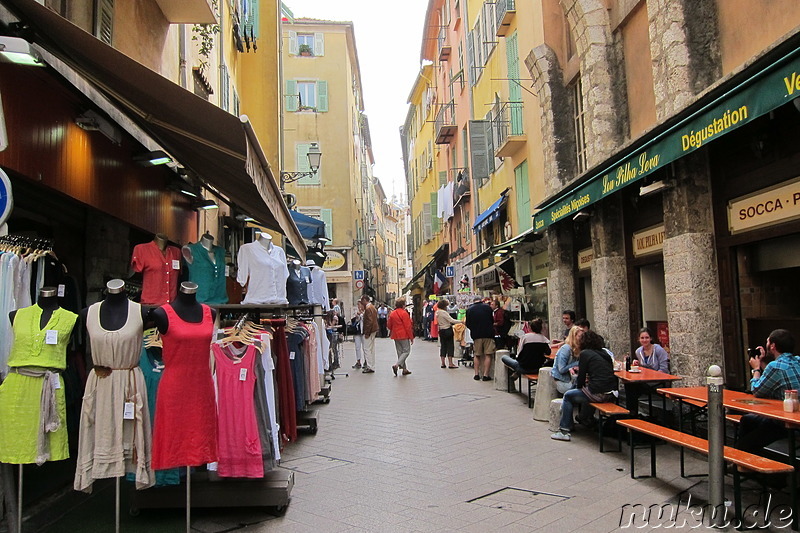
{"x": 314, "y": 160}
{"x": 371, "y": 233}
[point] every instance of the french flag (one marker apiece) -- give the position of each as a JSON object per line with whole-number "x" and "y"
{"x": 438, "y": 282}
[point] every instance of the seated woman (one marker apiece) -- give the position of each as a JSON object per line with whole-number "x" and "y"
{"x": 566, "y": 360}
{"x": 648, "y": 355}
{"x": 601, "y": 385}
{"x": 531, "y": 351}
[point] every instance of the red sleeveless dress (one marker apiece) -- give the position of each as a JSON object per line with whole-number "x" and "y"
{"x": 185, "y": 431}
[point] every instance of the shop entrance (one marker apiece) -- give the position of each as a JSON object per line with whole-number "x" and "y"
{"x": 654, "y": 302}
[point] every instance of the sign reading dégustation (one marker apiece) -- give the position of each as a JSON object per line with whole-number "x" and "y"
{"x": 765, "y": 208}
{"x": 760, "y": 95}
{"x": 648, "y": 241}
{"x": 585, "y": 258}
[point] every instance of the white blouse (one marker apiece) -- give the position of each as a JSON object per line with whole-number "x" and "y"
{"x": 264, "y": 272}
{"x": 318, "y": 291}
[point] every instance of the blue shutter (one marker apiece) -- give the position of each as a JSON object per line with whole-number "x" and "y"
{"x": 292, "y": 100}
{"x": 322, "y": 96}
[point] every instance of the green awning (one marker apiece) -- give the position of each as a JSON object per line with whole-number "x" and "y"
{"x": 760, "y": 93}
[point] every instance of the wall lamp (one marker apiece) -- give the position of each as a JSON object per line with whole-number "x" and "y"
{"x": 314, "y": 160}
{"x": 655, "y": 187}
{"x": 581, "y": 216}
{"x": 371, "y": 232}
{"x": 152, "y": 159}
{"x": 92, "y": 121}
{"x": 205, "y": 204}
{"x": 19, "y": 51}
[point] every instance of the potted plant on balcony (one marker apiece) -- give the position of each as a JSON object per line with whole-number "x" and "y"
{"x": 304, "y": 50}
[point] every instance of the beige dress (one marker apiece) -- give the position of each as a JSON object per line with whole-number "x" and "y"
{"x": 111, "y": 445}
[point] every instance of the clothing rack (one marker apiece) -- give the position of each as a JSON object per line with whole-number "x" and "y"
{"x": 25, "y": 241}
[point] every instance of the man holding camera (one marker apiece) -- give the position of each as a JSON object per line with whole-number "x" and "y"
{"x": 769, "y": 380}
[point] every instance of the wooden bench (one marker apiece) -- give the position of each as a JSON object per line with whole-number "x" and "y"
{"x": 532, "y": 380}
{"x": 745, "y": 460}
{"x": 608, "y": 411}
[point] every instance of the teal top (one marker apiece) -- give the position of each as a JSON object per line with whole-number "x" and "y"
{"x": 210, "y": 277}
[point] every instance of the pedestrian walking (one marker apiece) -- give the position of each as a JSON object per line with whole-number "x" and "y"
{"x": 357, "y": 330}
{"x": 445, "y": 323}
{"x": 480, "y": 323}
{"x": 401, "y": 331}
{"x": 383, "y": 315}
{"x": 370, "y": 329}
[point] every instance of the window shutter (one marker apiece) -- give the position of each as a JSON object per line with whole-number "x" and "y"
{"x": 104, "y": 20}
{"x": 322, "y": 95}
{"x": 514, "y": 90}
{"x": 434, "y": 213}
{"x": 430, "y": 154}
{"x": 327, "y": 218}
{"x": 470, "y": 59}
{"x": 489, "y": 126}
{"x": 319, "y": 44}
{"x": 523, "y": 196}
{"x": 442, "y": 178}
{"x": 477, "y": 144}
{"x": 224, "y": 82}
{"x": 427, "y": 233}
{"x": 293, "y": 43}
{"x": 302, "y": 165}
{"x": 292, "y": 101}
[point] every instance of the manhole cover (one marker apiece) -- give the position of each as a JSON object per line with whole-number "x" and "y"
{"x": 466, "y": 397}
{"x": 314, "y": 463}
{"x": 518, "y": 500}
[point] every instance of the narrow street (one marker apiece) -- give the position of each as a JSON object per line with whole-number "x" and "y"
{"x": 433, "y": 451}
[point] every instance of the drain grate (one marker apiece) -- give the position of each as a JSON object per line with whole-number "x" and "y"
{"x": 314, "y": 463}
{"x": 518, "y": 500}
{"x": 466, "y": 397}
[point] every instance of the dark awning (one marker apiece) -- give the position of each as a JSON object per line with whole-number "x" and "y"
{"x": 760, "y": 89}
{"x": 310, "y": 227}
{"x": 220, "y": 148}
{"x": 488, "y": 216}
{"x": 526, "y": 236}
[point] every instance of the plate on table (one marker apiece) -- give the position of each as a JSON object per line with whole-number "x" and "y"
{"x": 635, "y": 370}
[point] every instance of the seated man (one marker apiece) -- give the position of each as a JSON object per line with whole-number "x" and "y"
{"x": 769, "y": 381}
{"x": 531, "y": 351}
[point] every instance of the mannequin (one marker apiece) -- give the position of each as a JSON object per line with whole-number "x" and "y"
{"x": 262, "y": 268}
{"x": 206, "y": 265}
{"x": 297, "y": 284}
{"x": 114, "y": 309}
{"x": 185, "y": 305}
{"x": 160, "y": 265}
{"x": 48, "y": 301}
{"x": 318, "y": 293}
{"x": 265, "y": 239}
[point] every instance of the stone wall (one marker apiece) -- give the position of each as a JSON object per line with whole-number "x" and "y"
{"x": 561, "y": 280}
{"x": 107, "y": 253}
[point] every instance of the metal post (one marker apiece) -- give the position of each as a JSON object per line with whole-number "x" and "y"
{"x": 188, "y": 499}
{"x": 116, "y": 509}
{"x": 19, "y": 502}
{"x": 716, "y": 445}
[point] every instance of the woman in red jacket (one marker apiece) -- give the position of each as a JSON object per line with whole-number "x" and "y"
{"x": 399, "y": 324}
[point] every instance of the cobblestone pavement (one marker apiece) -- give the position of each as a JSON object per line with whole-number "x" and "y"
{"x": 438, "y": 451}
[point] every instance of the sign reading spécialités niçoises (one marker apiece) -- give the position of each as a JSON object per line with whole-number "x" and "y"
{"x": 759, "y": 95}
{"x": 764, "y": 208}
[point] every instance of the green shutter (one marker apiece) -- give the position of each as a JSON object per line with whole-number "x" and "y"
{"x": 523, "y": 196}
{"x": 442, "y": 178}
{"x": 292, "y": 100}
{"x": 434, "y": 213}
{"x": 301, "y": 150}
{"x": 514, "y": 89}
{"x": 322, "y": 95}
{"x": 319, "y": 44}
{"x": 327, "y": 218}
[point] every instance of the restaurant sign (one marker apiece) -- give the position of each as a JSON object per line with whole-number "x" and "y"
{"x": 760, "y": 94}
{"x": 765, "y": 208}
{"x": 648, "y": 241}
{"x": 585, "y": 259}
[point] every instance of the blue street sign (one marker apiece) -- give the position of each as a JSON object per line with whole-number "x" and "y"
{"x": 358, "y": 274}
{"x": 6, "y": 198}
{"x": 450, "y": 272}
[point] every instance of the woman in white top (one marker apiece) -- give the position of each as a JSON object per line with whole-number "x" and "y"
{"x": 445, "y": 323}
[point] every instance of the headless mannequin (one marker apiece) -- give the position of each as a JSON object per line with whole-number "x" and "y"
{"x": 114, "y": 309}
{"x": 207, "y": 240}
{"x": 296, "y": 266}
{"x": 48, "y": 301}
{"x": 185, "y": 306}
{"x": 266, "y": 241}
{"x": 161, "y": 241}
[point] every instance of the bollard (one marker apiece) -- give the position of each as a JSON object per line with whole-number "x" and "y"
{"x": 716, "y": 445}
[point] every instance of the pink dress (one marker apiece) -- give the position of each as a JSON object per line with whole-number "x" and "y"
{"x": 239, "y": 443}
{"x": 185, "y": 432}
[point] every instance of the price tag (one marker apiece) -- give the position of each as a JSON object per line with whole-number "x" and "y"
{"x": 242, "y": 374}
{"x": 51, "y": 337}
{"x": 55, "y": 382}
{"x": 176, "y": 264}
{"x": 127, "y": 413}
{"x": 227, "y": 270}
{"x": 291, "y": 355}
{"x": 308, "y": 280}
{"x": 61, "y": 289}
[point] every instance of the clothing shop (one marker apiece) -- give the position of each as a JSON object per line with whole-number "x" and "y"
{"x": 98, "y": 245}
{"x": 692, "y": 228}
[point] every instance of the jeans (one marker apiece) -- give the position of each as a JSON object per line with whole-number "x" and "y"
{"x": 403, "y": 349}
{"x": 755, "y": 432}
{"x": 369, "y": 350}
{"x": 446, "y": 347}
{"x": 359, "y": 341}
{"x": 563, "y": 386}
{"x": 514, "y": 364}
{"x": 571, "y": 399}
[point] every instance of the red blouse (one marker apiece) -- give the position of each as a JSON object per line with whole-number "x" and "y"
{"x": 160, "y": 271}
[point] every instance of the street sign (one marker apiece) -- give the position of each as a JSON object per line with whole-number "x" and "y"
{"x": 6, "y": 198}
{"x": 359, "y": 284}
{"x": 358, "y": 275}
{"x": 450, "y": 271}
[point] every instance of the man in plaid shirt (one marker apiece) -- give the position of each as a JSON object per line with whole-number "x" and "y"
{"x": 771, "y": 381}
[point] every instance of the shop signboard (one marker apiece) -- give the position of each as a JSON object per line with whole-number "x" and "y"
{"x": 338, "y": 277}
{"x": 334, "y": 261}
{"x": 770, "y": 88}
{"x": 585, "y": 259}
{"x": 765, "y": 208}
{"x": 649, "y": 241}
{"x": 540, "y": 264}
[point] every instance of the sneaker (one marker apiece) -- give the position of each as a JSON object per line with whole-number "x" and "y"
{"x": 406, "y": 372}
{"x": 477, "y": 377}
{"x": 560, "y": 435}
{"x": 486, "y": 378}
{"x": 394, "y": 369}
{"x": 357, "y": 365}
{"x": 367, "y": 370}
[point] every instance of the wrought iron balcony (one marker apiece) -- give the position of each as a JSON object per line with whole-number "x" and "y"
{"x": 446, "y": 128}
{"x": 461, "y": 191}
{"x": 508, "y": 127}
{"x": 505, "y": 11}
{"x": 444, "y": 48}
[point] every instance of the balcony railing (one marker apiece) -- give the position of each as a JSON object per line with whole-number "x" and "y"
{"x": 462, "y": 189}
{"x": 508, "y": 128}
{"x": 505, "y": 11}
{"x": 446, "y": 127}
{"x": 444, "y": 48}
